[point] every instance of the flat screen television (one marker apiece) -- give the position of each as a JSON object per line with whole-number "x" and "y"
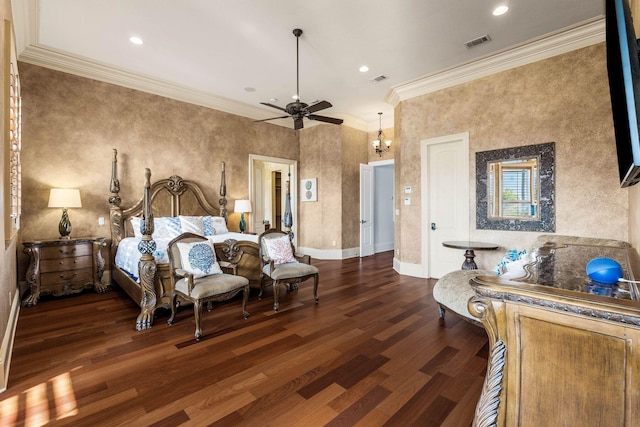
{"x": 623, "y": 67}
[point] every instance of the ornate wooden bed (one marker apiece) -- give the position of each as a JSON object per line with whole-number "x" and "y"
{"x": 168, "y": 197}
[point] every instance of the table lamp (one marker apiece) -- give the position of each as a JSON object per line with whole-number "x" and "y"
{"x": 64, "y": 198}
{"x": 242, "y": 206}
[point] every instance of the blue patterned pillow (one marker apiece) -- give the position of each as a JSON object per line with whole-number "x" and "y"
{"x": 199, "y": 259}
{"x": 214, "y": 225}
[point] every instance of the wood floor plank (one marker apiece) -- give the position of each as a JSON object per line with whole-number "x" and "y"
{"x": 372, "y": 352}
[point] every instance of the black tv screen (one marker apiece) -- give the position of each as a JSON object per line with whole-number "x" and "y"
{"x": 623, "y": 67}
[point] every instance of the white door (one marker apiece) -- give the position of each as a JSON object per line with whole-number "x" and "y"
{"x": 366, "y": 210}
{"x": 447, "y": 185}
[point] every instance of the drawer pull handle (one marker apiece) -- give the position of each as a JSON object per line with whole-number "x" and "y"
{"x": 67, "y": 252}
{"x": 68, "y": 278}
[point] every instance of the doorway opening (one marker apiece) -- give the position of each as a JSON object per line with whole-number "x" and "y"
{"x": 377, "y": 198}
{"x": 269, "y": 178}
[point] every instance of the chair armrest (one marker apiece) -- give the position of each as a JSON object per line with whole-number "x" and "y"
{"x": 306, "y": 259}
{"x": 228, "y": 267}
{"x": 182, "y": 273}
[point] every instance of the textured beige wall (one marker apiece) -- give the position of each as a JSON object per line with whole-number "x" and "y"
{"x": 320, "y": 157}
{"x": 354, "y": 152}
{"x": 71, "y": 125}
{"x": 563, "y": 99}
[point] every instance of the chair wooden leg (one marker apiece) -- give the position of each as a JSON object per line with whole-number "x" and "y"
{"x": 245, "y": 298}
{"x": 442, "y": 311}
{"x": 174, "y": 297}
{"x": 315, "y": 288}
{"x": 197, "y": 311}
{"x": 276, "y": 304}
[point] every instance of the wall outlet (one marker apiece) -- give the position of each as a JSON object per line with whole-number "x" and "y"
{"x": 101, "y": 220}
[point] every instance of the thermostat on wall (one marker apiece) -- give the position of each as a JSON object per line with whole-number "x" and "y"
{"x": 407, "y": 189}
{"x": 407, "y": 200}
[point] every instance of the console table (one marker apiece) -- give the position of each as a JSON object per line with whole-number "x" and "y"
{"x": 564, "y": 350}
{"x": 469, "y": 254}
{"x": 63, "y": 267}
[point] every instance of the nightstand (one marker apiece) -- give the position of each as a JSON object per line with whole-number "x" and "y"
{"x": 64, "y": 266}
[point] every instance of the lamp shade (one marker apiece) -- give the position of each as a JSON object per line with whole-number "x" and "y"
{"x": 64, "y": 198}
{"x": 242, "y": 206}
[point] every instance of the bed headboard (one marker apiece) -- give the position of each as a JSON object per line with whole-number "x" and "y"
{"x": 172, "y": 196}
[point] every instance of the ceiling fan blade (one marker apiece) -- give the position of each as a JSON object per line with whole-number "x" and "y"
{"x": 273, "y": 106}
{"x": 325, "y": 119}
{"x": 297, "y": 124}
{"x": 318, "y": 106}
{"x": 272, "y": 118}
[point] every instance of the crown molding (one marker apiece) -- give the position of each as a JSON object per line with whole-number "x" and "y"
{"x": 587, "y": 34}
{"x": 55, "y": 59}
{"x": 25, "y": 22}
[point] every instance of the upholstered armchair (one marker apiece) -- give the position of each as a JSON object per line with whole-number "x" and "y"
{"x": 282, "y": 266}
{"x": 198, "y": 277}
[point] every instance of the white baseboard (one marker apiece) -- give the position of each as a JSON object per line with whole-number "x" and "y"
{"x": 7, "y": 342}
{"x": 407, "y": 269}
{"x": 329, "y": 253}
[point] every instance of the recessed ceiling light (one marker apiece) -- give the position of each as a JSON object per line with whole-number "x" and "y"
{"x": 500, "y": 10}
{"x": 364, "y": 69}
{"x": 249, "y": 89}
{"x": 135, "y": 40}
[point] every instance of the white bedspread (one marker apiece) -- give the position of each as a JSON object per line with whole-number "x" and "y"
{"x": 127, "y": 256}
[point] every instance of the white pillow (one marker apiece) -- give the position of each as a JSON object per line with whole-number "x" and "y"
{"x": 279, "y": 250}
{"x": 166, "y": 227}
{"x": 199, "y": 258}
{"x": 136, "y": 222}
{"x": 192, "y": 224}
{"x": 215, "y": 225}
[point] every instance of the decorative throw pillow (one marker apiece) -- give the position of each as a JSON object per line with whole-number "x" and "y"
{"x": 215, "y": 225}
{"x": 279, "y": 250}
{"x": 199, "y": 259}
{"x": 192, "y": 224}
{"x": 135, "y": 225}
{"x": 512, "y": 264}
{"x": 166, "y": 227}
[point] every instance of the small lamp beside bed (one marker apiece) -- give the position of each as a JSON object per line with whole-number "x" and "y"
{"x": 64, "y": 198}
{"x": 242, "y": 207}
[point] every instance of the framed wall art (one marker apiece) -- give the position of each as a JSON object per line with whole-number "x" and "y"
{"x": 309, "y": 191}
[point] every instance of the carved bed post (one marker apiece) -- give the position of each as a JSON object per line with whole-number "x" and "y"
{"x": 223, "y": 192}
{"x": 115, "y": 211}
{"x": 147, "y": 264}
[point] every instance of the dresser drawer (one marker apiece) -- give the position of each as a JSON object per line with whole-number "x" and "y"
{"x": 61, "y": 264}
{"x": 65, "y": 251}
{"x": 78, "y": 276}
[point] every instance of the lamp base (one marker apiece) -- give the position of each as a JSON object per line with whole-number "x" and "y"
{"x": 64, "y": 228}
{"x": 243, "y": 224}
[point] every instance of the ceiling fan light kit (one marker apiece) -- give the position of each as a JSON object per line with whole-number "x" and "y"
{"x": 297, "y": 109}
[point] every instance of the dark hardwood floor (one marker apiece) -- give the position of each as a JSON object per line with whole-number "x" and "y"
{"x": 373, "y": 352}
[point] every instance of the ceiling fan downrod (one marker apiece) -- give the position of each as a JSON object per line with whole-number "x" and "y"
{"x": 297, "y": 32}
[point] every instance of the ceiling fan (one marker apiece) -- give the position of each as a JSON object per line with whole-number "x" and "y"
{"x": 298, "y": 109}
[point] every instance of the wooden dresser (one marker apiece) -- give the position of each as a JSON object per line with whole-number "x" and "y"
{"x": 64, "y": 267}
{"x": 565, "y": 351}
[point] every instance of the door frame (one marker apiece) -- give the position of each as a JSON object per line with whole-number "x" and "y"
{"x": 293, "y": 188}
{"x": 424, "y": 164}
{"x": 375, "y": 164}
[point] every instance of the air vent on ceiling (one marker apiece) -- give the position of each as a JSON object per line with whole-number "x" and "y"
{"x": 378, "y": 79}
{"x": 477, "y": 41}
